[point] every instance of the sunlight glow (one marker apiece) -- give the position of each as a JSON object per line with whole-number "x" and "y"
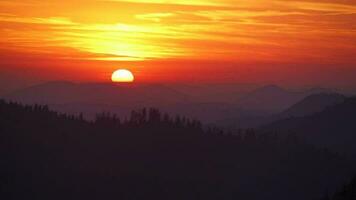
{"x": 154, "y": 30}
{"x": 122, "y": 76}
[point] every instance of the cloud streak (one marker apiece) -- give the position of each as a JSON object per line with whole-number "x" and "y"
{"x": 260, "y": 30}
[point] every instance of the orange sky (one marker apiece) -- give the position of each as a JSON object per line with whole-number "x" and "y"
{"x": 193, "y": 40}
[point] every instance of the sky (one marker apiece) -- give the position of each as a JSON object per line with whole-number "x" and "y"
{"x": 301, "y": 42}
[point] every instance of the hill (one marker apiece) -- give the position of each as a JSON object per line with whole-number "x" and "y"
{"x": 333, "y": 127}
{"x": 212, "y": 104}
{"x": 92, "y": 98}
{"x": 309, "y": 105}
{"x": 313, "y": 104}
{"x": 47, "y": 155}
{"x": 273, "y": 99}
{"x": 98, "y": 93}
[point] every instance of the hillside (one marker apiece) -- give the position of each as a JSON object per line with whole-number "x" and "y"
{"x": 221, "y": 104}
{"x": 273, "y": 99}
{"x": 89, "y": 99}
{"x": 154, "y": 156}
{"x": 333, "y": 127}
{"x": 313, "y": 104}
{"x": 98, "y": 93}
{"x": 309, "y": 105}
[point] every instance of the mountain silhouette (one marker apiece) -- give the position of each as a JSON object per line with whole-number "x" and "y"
{"x": 309, "y": 105}
{"x": 151, "y": 155}
{"x": 333, "y": 127}
{"x": 93, "y": 98}
{"x": 210, "y": 104}
{"x": 313, "y": 104}
{"x": 98, "y": 93}
{"x": 274, "y": 99}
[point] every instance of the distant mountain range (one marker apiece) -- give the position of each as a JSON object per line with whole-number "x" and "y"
{"x": 314, "y": 114}
{"x": 334, "y": 127}
{"x": 107, "y": 94}
{"x": 274, "y": 99}
{"x": 46, "y": 155}
{"x": 309, "y": 105}
{"x": 219, "y": 104}
{"x": 313, "y": 104}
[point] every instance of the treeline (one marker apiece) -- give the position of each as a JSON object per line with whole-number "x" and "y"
{"x": 347, "y": 192}
{"x": 147, "y": 118}
{"x": 151, "y": 155}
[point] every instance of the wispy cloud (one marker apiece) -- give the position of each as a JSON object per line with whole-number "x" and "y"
{"x": 142, "y": 29}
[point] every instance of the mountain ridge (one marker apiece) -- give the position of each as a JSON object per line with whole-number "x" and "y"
{"x": 333, "y": 127}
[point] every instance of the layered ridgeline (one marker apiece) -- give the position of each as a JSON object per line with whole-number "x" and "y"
{"x": 334, "y": 127}
{"x": 313, "y": 104}
{"x": 220, "y": 104}
{"x": 309, "y": 105}
{"x": 46, "y": 155}
{"x": 274, "y": 99}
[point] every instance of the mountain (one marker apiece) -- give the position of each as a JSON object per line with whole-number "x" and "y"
{"x": 274, "y": 99}
{"x": 313, "y": 104}
{"x": 212, "y": 104}
{"x": 212, "y": 93}
{"x": 309, "y": 105}
{"x": 208, "y": 103}
{"x": 97, "y": 93}
{"x": 47, "y": 155}
{"x": 333, "y": 127}
{"x": 93, "y": 98}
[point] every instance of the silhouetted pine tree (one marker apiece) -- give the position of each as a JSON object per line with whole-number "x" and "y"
{"x": 151, "y": 155}
{"x": 348, "y": 192}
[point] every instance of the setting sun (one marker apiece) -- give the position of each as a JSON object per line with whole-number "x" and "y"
{"x": 185, "y": 99}
{"x": 122, "y": 76}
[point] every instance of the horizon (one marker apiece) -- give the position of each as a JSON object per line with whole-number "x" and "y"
{"x": 347, "y": 89}
{"x": 178, "y": 100}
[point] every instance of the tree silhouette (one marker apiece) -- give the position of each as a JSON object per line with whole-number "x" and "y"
{"x": 151, "y": 155}
{"x": 348, "y": 192}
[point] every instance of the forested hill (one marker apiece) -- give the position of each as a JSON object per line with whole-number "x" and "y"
{"x": 46, "y": 155}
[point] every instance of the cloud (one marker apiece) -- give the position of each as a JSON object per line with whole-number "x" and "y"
{"x": 36, "y": 20}
{"x": 181, "y": 2}
{"x": 142, "y": 29}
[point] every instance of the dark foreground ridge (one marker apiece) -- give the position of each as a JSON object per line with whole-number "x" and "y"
{"x": 347, "y": 192}
{"x": 46, "y": 155}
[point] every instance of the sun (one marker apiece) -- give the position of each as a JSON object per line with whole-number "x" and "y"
{"x": 122, "y": 76}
